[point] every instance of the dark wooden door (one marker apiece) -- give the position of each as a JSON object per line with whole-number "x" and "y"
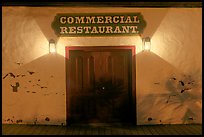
{"x": 100, "y": 86}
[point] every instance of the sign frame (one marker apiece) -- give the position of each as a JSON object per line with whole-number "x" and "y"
{"x": 98, "y": 24}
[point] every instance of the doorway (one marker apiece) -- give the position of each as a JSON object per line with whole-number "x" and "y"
{"x": 100, "y": 84}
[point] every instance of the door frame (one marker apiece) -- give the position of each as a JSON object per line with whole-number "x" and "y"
{"x": 102, "y": 48}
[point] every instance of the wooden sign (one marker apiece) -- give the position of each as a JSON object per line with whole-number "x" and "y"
{"x": 98, "y": 24}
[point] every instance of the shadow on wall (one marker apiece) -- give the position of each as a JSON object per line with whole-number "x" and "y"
{"x": 35, "y": 92}
{"x": 185, "y": 93}
{"x": 165, "y": 95}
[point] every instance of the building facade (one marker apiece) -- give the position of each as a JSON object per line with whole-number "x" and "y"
{"x": 101, "y": 78}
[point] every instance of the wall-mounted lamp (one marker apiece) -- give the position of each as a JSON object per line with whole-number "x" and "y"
{"x": 146, "y": 43}
{"x": 52, "y": 46}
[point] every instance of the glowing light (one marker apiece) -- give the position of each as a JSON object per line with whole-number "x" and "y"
{"x": 146, "y": 43}
{"x": 52, "y": 46}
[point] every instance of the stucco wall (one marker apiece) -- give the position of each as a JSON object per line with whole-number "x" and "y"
{"x": 40, "y": 97}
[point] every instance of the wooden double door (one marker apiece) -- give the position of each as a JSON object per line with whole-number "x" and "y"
{"x": 99, "y": 85}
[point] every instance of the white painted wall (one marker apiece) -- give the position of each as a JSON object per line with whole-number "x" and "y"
{"x": 176, "y": 52}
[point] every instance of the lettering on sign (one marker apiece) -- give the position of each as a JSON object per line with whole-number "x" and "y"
{"x": 98, "y": 24}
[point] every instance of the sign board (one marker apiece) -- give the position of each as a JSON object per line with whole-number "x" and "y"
{"x": 98, "y": 24}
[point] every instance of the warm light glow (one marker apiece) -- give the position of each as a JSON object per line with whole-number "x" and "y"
{"x": 52, "y": 46}
{"x": 62, "y": 42}
{"x": 146, "y": 43}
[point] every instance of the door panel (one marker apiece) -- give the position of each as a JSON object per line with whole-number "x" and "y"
{"x": 100, "y": 86}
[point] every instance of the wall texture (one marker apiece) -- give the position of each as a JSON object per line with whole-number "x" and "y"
{"x": 168, "y": 79}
